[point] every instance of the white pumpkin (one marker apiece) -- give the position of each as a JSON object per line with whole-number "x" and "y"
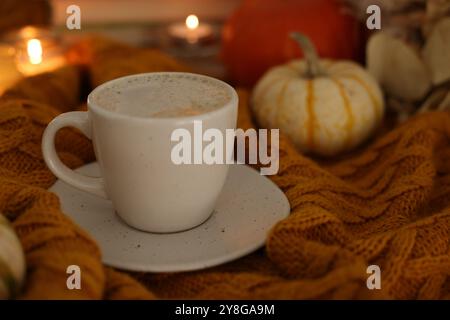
{"x": 12, "y": 261}
{"x": 324, "y": 106}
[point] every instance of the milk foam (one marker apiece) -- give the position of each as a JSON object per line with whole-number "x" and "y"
{"x": 162, "y": 95}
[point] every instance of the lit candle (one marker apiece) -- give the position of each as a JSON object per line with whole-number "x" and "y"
{"x": 37, "y": 50}
{"x": 38, "y": 58}
{"x": 191, "y": 31}
{"x": 8, "y": 71}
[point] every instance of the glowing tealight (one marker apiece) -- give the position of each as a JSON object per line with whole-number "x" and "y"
{"x": 34, "y": 50}
{"x": 192, "y": 22}
{"x": 191, "y": 31}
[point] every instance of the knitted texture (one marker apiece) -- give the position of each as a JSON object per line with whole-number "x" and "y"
{"x": 388, "y": 204}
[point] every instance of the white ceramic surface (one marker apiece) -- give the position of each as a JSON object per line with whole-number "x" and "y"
{"x": 248, "y": 207}
{"x": 134, "y": 154}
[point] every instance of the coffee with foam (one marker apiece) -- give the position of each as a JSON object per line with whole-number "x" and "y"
{"x": 162, "y": 95}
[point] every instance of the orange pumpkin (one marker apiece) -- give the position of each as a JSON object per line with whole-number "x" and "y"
{"x": 256, "y": 36}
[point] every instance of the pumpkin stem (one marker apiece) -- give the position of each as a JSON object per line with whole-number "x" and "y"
{"x": 313, "y": 67}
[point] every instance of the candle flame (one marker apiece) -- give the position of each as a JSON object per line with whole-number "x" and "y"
{"x": 192, "y": 22}
{"x": 34, "y": 49}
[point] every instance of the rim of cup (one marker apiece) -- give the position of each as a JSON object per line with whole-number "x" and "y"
{"x": 93, "y": 106}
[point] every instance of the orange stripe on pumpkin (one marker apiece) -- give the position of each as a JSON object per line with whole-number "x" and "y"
{"x": 369, "y": 91}
{"x": 348, "y": 109}
{"x": 311, "y": 114}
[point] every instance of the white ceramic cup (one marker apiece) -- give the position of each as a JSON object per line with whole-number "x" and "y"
{"x": 148, "y": 191}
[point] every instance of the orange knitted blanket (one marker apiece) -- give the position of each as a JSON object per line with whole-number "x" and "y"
{"x": 388, "y": 204}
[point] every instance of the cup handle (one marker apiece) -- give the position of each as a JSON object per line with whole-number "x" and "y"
{"x": 79, "y": 120}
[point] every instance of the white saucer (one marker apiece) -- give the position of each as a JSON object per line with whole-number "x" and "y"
{"x": 250, "y": 204}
